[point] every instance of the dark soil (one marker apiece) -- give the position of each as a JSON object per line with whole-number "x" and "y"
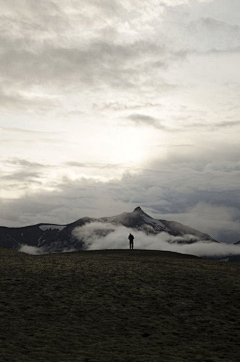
{"x": 118, "y": 306}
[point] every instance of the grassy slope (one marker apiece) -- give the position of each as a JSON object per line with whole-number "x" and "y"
{"x": 118, "y": 306}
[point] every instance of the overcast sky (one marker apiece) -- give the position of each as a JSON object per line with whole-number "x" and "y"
{"x": 110, "y": 104}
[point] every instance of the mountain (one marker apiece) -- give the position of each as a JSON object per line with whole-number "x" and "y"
{"x": 139, "y": 220}
{"x": 57, "y": 238}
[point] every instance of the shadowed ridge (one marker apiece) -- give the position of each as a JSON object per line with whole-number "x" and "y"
{"x": 138, "y": 211}
{"x": 82, "y": 221}
{"x": 137, "y": 219}
{"x": 172, "y": 227}
{"x": 138, "y": 208}
{"x": 180, "y": 229}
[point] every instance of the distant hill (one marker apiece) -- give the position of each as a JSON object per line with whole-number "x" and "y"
{"x": 57, "y": 238}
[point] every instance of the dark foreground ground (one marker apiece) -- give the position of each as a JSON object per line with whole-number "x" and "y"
{"x": 118, "y": 306}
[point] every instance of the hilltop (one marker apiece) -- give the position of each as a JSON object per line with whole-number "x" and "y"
{"x": 118, "y": 305}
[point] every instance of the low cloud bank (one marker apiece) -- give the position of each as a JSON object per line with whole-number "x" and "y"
{"x": 31, "y": 250}
{"x": 34, "y": 250}
{"x": 99, "y": 235}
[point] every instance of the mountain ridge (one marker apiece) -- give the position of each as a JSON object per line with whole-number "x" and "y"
{"x": 60, "y": 237}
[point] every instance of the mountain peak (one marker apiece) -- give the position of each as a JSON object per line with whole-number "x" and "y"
{"x": 138, "y": 209}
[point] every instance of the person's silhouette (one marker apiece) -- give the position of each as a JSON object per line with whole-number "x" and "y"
{"x": 131, "y": 238}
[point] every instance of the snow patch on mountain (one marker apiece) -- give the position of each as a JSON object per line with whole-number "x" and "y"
{"x": 52, "y": 227}
{"x": 153, "y": 222}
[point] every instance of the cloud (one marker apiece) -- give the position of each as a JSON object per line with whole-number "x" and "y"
{"x": 22, "y": 175}
{"x": 121, "y": 106}
{"x": 226, "y": 124}
{"x": 31, "y": 250}
{"x": 25, "y": 163}
{"x": 11, "y": 99}
{"x": 122, "y": 49}
{"x": 210, "y": 27}
{"x": 97, "y": 236}
{"x": 23, "y": 131}
{"x": 130, "y": 41}
{"x": 218, "y": 220}
{"x": 212, "y": 127}
{"x": 91, "y": 165}
{"x": 141, "y": 119}
{"x": 22, "y": 169}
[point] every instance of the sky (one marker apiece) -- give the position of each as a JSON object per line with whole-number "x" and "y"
{"x": 108, "y": 105}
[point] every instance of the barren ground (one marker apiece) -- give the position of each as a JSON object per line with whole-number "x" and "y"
{"x": 118, "y": 306}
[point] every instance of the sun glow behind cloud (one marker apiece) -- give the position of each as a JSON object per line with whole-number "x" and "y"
{"x": 103, "y": 154}
{"x": 124, "y": 145}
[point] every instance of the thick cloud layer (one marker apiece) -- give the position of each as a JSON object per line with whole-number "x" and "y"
{"x": 98, "y": 236}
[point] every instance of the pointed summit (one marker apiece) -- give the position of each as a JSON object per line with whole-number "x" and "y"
{"x": 139, "y": 212}
{"x": 138, "y": 209}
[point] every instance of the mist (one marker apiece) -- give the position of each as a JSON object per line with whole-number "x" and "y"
{"x": 31, "y": 250}
{"x": 34, "y": 250}
{"x": 99, "y": 235}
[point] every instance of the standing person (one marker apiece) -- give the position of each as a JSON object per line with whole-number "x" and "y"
{"x": 131, "y": 238}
